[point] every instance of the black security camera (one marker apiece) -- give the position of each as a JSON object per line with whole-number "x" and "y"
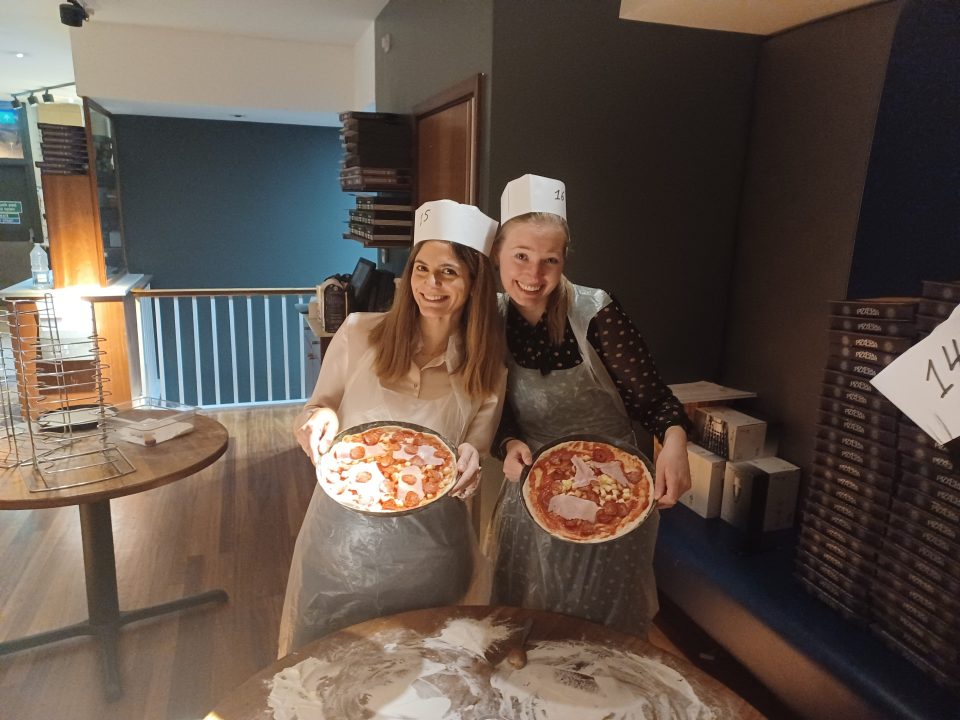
{"x": 72, "y": 13}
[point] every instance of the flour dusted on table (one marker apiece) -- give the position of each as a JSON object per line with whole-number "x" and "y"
{"x": 473, "y": 636}
{"x": 585, "y": 681}
{"x": 398, "y": 675}
{"x": 402, "y": 675}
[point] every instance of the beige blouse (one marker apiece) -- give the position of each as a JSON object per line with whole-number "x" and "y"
{"x": 434, "y": 381}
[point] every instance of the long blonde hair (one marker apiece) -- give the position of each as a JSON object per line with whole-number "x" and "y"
{"x": 481, "y": 327}
{"x": 558, "y": 303}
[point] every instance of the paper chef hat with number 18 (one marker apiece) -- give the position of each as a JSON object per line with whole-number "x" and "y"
{"x": 532, "y": 193}
{"x": 456, "y": 223}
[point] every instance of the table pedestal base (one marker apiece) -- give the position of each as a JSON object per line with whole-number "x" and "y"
{"x": 103, "y": 607}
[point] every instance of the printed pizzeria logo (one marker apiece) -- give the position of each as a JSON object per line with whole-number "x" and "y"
{"x": 854, "y": 413}
{"x": 852, "y": 456}
{"x": 860, "y": 385}
{"x": 853, "y": 442}
{"x": 866, "y": 355}
{"x": 856, "y": 397}
{"x": 855, "y": 427}
{"x": 867, "y": 343}
{"x": 868, "y": 311}
{"x": 869, "y": 327}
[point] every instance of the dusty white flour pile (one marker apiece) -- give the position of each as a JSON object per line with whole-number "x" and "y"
{"x": 585, "y": 681}
{"x": 398, "y": 675}
{"x": 403, "y": 676}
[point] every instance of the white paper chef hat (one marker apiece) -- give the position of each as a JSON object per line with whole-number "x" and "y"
{"x": 532, "y": 193}
{"x": 454, "y": 222}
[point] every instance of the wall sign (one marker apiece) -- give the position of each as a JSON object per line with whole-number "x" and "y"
{"x": 10, "y": 211}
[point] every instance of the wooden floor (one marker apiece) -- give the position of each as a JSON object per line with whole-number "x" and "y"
{"x": 231, "y": 526}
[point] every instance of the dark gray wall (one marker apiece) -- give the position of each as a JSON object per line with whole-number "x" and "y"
{"x": 647, "y": 125}
{"x": 818, "y": 88}
{"x": 435, "y": 45}
{"x": 910, "y": 220}
{"x": 211, "y": 204}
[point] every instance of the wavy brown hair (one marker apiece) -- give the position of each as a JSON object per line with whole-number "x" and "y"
{"x": 558, "y": 304}
{"x": 481, "y": 327}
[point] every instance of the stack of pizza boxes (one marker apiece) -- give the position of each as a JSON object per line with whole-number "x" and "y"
{"x": 735, "y": 476}
{"x": 845, "y": 512}
{"x": 916, "y": 591}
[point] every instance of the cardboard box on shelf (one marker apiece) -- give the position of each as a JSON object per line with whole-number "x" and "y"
{"x": 730, "y": 433}
{"x": 760, "y": 495}
{"x": 706, "y": 476}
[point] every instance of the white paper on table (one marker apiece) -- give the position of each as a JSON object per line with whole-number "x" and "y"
{"x": 924, "y": 382}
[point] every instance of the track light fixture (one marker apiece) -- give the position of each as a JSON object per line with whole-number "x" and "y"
{"x": 32, "y": 99}
{"x": 47, "y": 96}
{"x": 15, "y": 103}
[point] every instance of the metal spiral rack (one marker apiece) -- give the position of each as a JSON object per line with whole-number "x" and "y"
{"x": 53, "y": 399}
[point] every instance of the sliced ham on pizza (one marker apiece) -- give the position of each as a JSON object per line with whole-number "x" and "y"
{"x": 587, "y": 491}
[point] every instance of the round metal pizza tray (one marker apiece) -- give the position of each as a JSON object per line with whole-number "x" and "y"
{"x": 363, "y": 427}
{"x": 619, "y": 444}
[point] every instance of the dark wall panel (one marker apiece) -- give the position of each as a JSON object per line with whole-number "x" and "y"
{"x": 818, "y": 88}
{"x": 648, "y": 127}
{"x": 910, "y": 221}
{"x": 210, "y": 204}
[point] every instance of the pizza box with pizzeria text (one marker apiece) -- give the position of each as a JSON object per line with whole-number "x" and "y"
{"x": 706, "y": 482}
{"x": 760, "y": 494}
{"x": 730, "y": 433}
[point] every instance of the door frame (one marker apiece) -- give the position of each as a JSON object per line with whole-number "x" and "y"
{"x": 466, "y": 91}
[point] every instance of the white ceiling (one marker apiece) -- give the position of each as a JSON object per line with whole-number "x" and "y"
{"x": 33, "y": 27}
{"x": 753, "y": 17}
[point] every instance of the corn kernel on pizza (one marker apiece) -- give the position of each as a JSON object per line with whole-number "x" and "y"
{"x": 587, "y": 491}
{"x": 387, "y": 469}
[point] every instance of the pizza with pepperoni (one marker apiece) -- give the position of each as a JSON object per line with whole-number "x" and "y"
{"x": 387, "y": 469}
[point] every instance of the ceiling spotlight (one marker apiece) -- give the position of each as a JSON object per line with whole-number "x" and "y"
{"x": 19, "y": 55}
{"x": 32, "y": 99}
{"x": 47, "y": 96}
{"x": 15, "y": 103}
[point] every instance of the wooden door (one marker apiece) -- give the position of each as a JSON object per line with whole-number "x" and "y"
{"x": 446, "y": 133}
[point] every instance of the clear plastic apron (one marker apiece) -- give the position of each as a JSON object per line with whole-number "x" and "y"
{"x": 348, "y": 567}
{"x": 610, "y": 583}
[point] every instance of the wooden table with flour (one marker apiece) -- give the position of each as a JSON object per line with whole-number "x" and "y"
{"x": 154, "y": 466}
{"x": 249, "y": 701}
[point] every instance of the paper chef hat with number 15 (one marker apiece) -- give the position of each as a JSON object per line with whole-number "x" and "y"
{"x": 532, "y": 193}
{"x": 456, "y": 223}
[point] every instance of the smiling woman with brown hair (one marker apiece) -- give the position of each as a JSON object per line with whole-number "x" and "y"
{"x": 436, "y": 360}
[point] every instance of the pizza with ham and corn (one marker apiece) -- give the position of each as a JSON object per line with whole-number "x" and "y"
{"x": 588, "y": 491}
{"x": 387, "y": 469}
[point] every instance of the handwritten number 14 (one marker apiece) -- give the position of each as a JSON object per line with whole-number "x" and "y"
{"x": 951, "y": 364}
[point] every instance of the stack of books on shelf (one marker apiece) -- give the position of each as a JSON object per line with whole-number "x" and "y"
{"x": 64, "y": 149}
{"x": 377, "y": 160}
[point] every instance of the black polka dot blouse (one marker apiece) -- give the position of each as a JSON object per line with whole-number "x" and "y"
{"x": 624, "y": 354}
